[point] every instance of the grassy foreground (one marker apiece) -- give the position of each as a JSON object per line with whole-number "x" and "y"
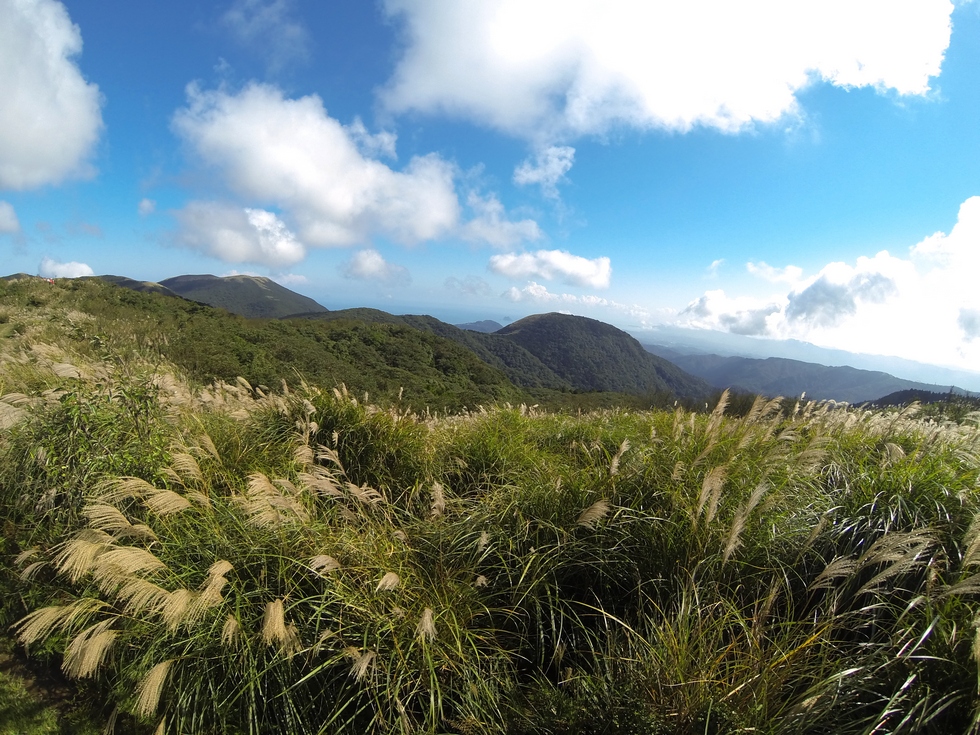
{"x": 223, "y": 559}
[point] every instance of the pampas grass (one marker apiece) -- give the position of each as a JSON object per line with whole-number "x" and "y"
{"x": 304, "y": 561}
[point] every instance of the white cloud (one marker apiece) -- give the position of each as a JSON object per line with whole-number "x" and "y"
{"x": 535, "y": 292}
{"x": 238, "y": 235}
{"x": 53, "y": 269}
{"x": 554, "y": 264}
{"x": 9, "y": 224}
{"x": 371, "y": 145}
{"x": 290, "y": 153}
{"x": 553, "y": 69}
{"x": 268, "y": 28}
{"x": 791, "y": 274}
{"x": 969, "y": 322}
{"x": 922, "y": 307}
{"x": 146, "y": 207}
{"x": 548, "y": 168}
{"x": 490, "y": 224}
{"x": 50, "y": 117}
{"x": 370, "y": 265}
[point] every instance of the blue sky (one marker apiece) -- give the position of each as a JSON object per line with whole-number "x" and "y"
{"x": 786, "y": 170}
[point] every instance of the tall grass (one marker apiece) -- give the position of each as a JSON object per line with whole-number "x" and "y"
{"x": 235, "y": 559}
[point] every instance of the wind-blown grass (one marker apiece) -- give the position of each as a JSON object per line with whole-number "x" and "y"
{"x": 231, "y": 559}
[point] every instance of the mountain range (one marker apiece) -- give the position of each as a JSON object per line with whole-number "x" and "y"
{"x": 560, "y": 352}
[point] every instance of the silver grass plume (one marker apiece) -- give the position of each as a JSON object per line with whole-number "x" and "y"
{"x": 593, "y": 514}
{"x": 363, "y": 664}
{"x": 614, "y": 465}
{"x": 426, "y": 629}
{"x": 324, "y": 564}
{"x": 388, "y": 582}
{"x": 150, "y": 689}
{"x": 187, "y": 467}
{"x": 87, "y": 650}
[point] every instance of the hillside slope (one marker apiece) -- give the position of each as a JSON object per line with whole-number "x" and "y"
{"x": 592, "y": 355}
{"x": 518, "y": 364}
{"x": 250, "y": 296}
{"x": 549, "y": 352}
{"x": 99, "y": 320}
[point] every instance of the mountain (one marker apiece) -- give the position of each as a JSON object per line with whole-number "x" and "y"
{"x": 487, "y": 326}
{"x": 779, "y": 376}
{"x": 547, "y": 352}
{"x": 517, "y": 363}
{"x": 706, "y": 341}
{"x": 250, "y": 296}
{"x": 133, "y": 285}
{"x": 593, "y": 355}
{"x": 556, "y": 352}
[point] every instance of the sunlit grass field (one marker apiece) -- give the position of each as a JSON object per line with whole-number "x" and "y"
{"x": 235, "y": 558}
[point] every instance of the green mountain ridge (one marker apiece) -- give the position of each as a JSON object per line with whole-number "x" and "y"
{"x": 589, "y": 353}
{"x": 554, "y": 352}
{"x": 250, "y": 296}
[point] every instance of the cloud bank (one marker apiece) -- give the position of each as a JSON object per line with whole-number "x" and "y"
{"x": 560, "y": 265}
{"x": 290, "y": 153}
{"x": 238, "y": 235}
{"x": 924, "y": 306}
{"x": 50, "y": 117}
{"x": 550, "y": 70}
{"x": 49, "y": 268}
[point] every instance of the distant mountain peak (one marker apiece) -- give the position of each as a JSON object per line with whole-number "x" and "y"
{"x": 249, "y": 296}
{"x": 593, "y": 355}
{"x": 487, "y": 326}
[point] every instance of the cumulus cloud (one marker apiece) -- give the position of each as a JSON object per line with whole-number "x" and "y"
{"x": 9, "y": 224}
{"x": 554, "y": 265}
{"x": 825, "y": 302}
{"x": 291, "y": 153}
{"x": 370, "y": 265}
{"x": 922, "y": 306}
{"x": 238, "y": 235}
{"x": 969, "y": 322}
{"x": 468, "y": 286}
{"x": 146, "y": 207}
{"x": 547, "y": 169}
{"x": 372, "y": 144}
{"x": 550, "y": 69}
{"x": 53, "y": 269}
{"x": 490, "y": 224}
{"x": 739, "y": 315}
{"x": 269, "y": 28}
{"x": 50, "y": 117}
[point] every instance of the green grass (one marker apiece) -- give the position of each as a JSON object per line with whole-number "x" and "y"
{"x": 230, "y": 559}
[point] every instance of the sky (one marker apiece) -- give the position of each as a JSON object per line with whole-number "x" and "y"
{"x": 805, "y": 170}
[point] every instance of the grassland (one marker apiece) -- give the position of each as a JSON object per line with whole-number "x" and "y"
{"x": 209, "y": 556}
